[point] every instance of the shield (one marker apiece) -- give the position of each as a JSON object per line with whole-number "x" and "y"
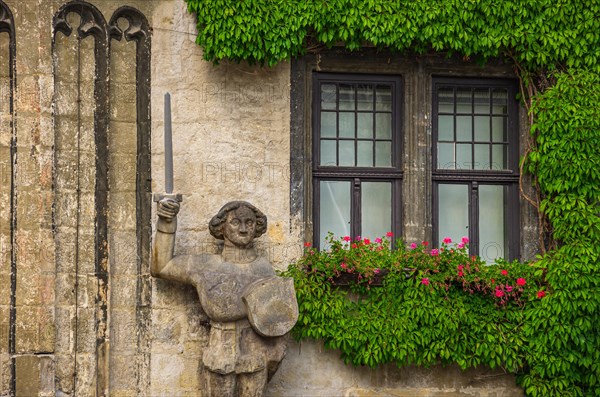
{"x": 271, "y": 305}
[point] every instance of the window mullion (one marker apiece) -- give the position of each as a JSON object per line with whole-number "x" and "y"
{"x": 474, "y": 218}
{"x": 356, "y": 208}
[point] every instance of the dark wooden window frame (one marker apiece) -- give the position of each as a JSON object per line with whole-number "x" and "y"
{"x": 474, "y": 178}
{"x": 357, "y": 175}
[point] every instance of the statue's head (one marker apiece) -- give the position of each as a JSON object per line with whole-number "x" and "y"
{"x": 238, "y": 222}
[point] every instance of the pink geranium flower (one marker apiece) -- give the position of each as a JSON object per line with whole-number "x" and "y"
{"x": 521, "y": 281}
{"x": 447, "y": 240}
{"x": 389, "y": 234}
{"x": 425, "y": 281}
{"x": 346, "y": 238}
{"x": 509, "y": 288}
{"x": 435, "y": 252}
{"x": 465, "y": 240}
{"x": 343, "y": 265}
{"x": 499, "y": 293}
{"x": 413, "y": 246}
{"x": 367, "y": 241}
{"x": 378, "y": 240}
{"x": 460, "y": 245}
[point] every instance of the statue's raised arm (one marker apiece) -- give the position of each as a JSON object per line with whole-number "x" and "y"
{"x": 164, "y": 240}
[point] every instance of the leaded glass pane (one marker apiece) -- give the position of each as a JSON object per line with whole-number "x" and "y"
{"x": 347, "y": 124}
{"x": 499, "y": 157}
{"x": 464, "y": 159}
{"x": 346, "y": 97}
{"x": 376, "y": 209}
{"x": 453, "y": 212}
{"x": 492, "y": 220}
{"x": 365, "y": 125}
{"x": 499, "y": 101}
{"x": 365, "y": 154}
{"x": 446, "y": 100}
{"x": 445, "y": 154}
{"x": 445, "y": 128}
{"x": 334, "y": 209}
{"x": 383, "y": 98}
{"x": 463, "y": 101}
{"x": 482, "y": 157}
{"x": 328, "y": 96}
{"x": 328, "y": 156}
{"x": 499, "y": 129}
{"x": 346, "y": 153}
{"x": 383, "y": 154}
{"x": 365, "y": 97}
{"x": 482, "y": 128}
{"x": 464, "y": 128}
{"x": 328, "y": 124}
{"x": 383, "y": 125}
{"x": 481, "y": 97}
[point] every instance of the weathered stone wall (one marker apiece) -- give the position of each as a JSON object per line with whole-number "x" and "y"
{"x": 79, "y": 312}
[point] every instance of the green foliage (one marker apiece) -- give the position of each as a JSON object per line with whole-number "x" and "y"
{"x": 538, "y": 33}
{"x": 564, "y": 331}
{"x": 566, "y": 160}
{"x": 434, "y": 305}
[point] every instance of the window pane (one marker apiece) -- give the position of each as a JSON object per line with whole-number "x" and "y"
{"x": 445, "y": 154}
{"x": 346, "y": 97}
{"x": 492, "y": 218}
{"x": 482, "y": 128}
{"x": 383, "y": 125}
{"x": 482, "y": 157}
{"x": 463, "y": 128}
{"x": 464, "y": 156}
{"x": 328, "y": 153}
{"x": 499, "y": 157}
{"x": 499, "y": 129}
{"x": 453, "y": 214}
{"x": 364, "y": 96}
{"x": 463, "y": 101}
{"x": 365, "y": 125}
{"x": 383, "y": 154}
{"x": 376, "y": 209}
{"x": 446, "y": 100}
{"x": 346, "y": 153}
{"x": 365, "y": 153}
{"x": 482, "y": 100}
{"x": 334, "y": 210}
{"x": 383, "y": 99}
{"x": 328, "y": 96}
{"x": 328, "y": 124}
{"x": 445, "y": 128}
{"x": 499, "y": 101}
{"x": 346, "y": 125}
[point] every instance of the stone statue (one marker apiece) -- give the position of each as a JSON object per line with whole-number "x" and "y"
{"x": 250, "y": 308}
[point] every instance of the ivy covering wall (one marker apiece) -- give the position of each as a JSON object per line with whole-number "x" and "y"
{"x": 551, "y": 340}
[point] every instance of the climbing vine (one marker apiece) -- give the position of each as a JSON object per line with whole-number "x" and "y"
{"x": 536, "y": 33}
{"x": 546, "y": 331}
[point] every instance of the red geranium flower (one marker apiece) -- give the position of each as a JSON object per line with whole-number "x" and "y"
{"x": 541, "y": 294}
{"x": 521, "y": 281}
